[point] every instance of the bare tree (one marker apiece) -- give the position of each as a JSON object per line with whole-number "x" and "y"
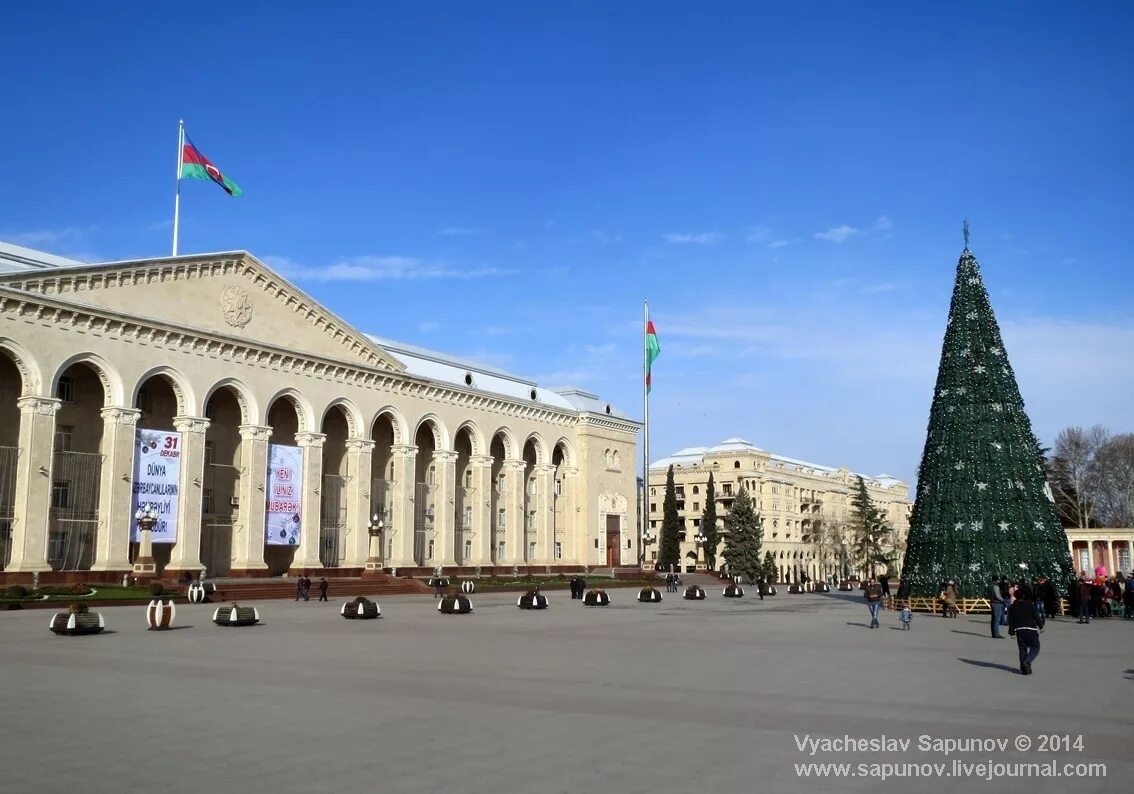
{"x": 1113, "y": 485}
{"x": 1075, "y": 475}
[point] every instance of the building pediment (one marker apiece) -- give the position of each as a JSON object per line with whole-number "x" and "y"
{"x": 233, "y": 294}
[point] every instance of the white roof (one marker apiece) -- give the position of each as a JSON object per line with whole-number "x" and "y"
{"x": 443, "y": 368}
{"x": 16, "y": 258}
{"x": 591, "y": 403}
{"x": 695, "y": 456}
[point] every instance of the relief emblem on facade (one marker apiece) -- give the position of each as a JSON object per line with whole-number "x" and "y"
{"x": 236, "y": 305}
{"x": 612, "y": 503}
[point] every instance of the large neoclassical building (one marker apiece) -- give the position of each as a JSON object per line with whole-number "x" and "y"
{"x": 795, "y": 498}
{"x": 271, "y": 436}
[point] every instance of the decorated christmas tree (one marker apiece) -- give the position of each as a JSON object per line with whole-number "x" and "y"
{"x": 983, "y": 508}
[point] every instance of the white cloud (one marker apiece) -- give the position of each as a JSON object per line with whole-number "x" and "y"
{"x": 883, "y": 224}
{"x": 838, "y": 234}
{"x": 37, "y": 237}
{"x": 428, "y": 327}
{"x": 461, "y": 231}
{"x": 759, "y": 234}
{"x": 380, "y": 268}
{"x": 698, "y": 238}
{"x": 779, "y": 243}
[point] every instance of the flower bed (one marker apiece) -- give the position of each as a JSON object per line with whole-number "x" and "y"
{"x": 454, "y": 605}
{"x": 236, "y": 615}
{"x": 596, "y": 598}
{"x": 361, "y": 608}
{"x": 77, "y": 620}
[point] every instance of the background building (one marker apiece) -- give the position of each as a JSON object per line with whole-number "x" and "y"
{"x": 466, "y": 465}
{"x": 806, "y": 507}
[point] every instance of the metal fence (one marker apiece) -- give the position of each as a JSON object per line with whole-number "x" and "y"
{"x": 424, "y": 514}
{"x": 8, "y": 456}
{"x": 73, "y": 519}
{"x": 332, "y": 521}
{"x": 221, "y": 488}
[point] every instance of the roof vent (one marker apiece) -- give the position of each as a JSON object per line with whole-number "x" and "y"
{"x": 533, "y": 394}
{"x": 608, "y": 408}
{"x": 468, "y": 379}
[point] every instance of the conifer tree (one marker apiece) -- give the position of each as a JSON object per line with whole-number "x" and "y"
{"x": 870, "y": 530}
{"x": 669, "y": 549}
{"x": 770, "y": 572}
{"x": 709, "y": 524}
{"x": 982, "y": 507}
{"x": 745, "y": 536}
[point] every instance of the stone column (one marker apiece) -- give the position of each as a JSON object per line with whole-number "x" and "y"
{"x": 399, "y": 524}
{"x": 186, "y": 553}
{"x": 481, "y": 498}
{"x": 358, "y": 452}
{"x": 514, "y": 541}
{"x": 445, "y": 519}
{"x": 1109, "y": 557}
{"x": 307, "y": 554}
{"x": 33, "y": 484}
{"x": 545, "y": 513}
{"x": 248, "y": 534}
{"x": 574, "y": 537}
{"x": 112, "y": 546}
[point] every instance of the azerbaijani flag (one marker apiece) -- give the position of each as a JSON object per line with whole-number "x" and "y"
{"x": 195, "y": 165}
{"x": 653, "y": 350}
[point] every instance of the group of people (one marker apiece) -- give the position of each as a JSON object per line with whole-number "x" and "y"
{"x": 303, "y": 588}
{"x": 672, "y": 581}
{"x": 1103, "y": 596}
{"x": 578, "y": 587}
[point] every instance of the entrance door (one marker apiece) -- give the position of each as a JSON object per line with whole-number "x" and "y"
{"x": 613, "y": 537}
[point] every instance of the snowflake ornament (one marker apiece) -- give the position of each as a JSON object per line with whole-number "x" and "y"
{"x": 965, "y": 353}
{"x": 977, "y": 526}
{"x": 1037, "y": 524}
{"x": 997, "y": 446}
{"x": 936, "y": 567}
{"x": 942, "y": 393}
{"x": 974, "y": 566}
{"x": 979, "y": 369}
{"x": 1019, "y": 485}
{"x": 998, "y": 407}
{"x": 973, "y": 280}
{"x": 971, "y": 316}
{"x": 959, "y": 465}
{"x": 995, "y": 351}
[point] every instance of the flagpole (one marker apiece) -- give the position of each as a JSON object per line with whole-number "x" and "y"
{"x": 645, "y": 433}
{"x": 177, "y": 193}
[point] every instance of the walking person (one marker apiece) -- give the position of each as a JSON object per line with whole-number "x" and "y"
{"x": 323, "y": 588}
{"x": 1084, "y": 590}
{"x": 299, "y": 587}
{"x": 1023, "y": 626}
{"x": 873, "y": 594}
{"x": 1006, "y": 591}
{"x": 996, "y": 599}
{"x": 761, "y": 583}
{"x": 306, "y": 587}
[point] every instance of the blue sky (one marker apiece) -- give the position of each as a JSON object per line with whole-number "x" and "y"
{"x": 509, "y": 181}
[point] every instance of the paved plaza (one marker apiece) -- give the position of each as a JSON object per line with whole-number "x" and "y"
{"x": 681, "y": 696}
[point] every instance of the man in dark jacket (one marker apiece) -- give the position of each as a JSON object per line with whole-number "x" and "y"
{"x": 1045, "y": 598}
{"x": 1084, "y": 586}
{"x": 323, "y": 588}
{"x": 1023, "y": 626}
{"x": 873, "y": 594}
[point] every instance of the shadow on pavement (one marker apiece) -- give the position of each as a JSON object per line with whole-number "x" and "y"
{"x": 992, "y": 665}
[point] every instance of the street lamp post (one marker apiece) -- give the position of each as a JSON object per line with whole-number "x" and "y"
{"x": 699, "y": 539}
{"x": 648, "y": 537}
{"x": 146, "y": 516}
{"x": 376, "y": 530}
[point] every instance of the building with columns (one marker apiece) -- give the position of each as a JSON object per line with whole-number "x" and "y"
{"x": 462, "y": 464}
{"x": 1094, "y": 547}
{"x": 806, "y": 507}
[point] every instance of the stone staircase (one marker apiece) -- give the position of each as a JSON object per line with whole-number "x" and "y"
{"x": 338, "y": 589}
